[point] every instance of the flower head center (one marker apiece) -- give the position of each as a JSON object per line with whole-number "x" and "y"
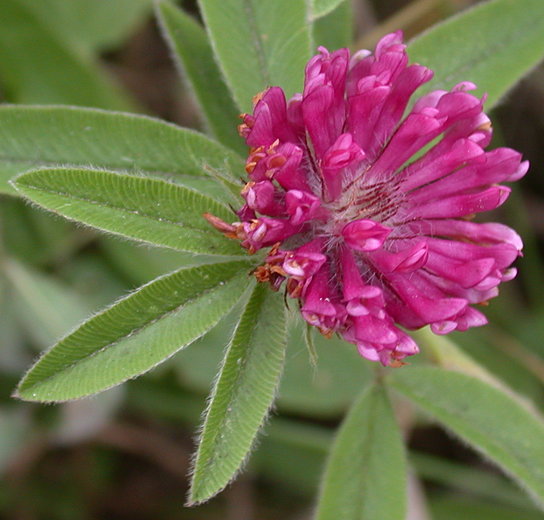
{"x": 376, "y": 200}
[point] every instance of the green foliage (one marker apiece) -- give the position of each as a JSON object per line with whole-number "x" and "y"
{"x": 292, "y": 453}
{"x": 151, "y": 210}
{"x": 88, "y": 25}
{"x": 58, "y": 73}
{"x": 37, "y": 137}
{"x": 325, "y": 390}
{"x": 242, "y": 395}
{"x": 495, "y": 422}
{"x": 335, "y": 30}
{"x": 139, "y": 265}
{"x": 321, "y": 8}
{"x": 455, "y": 508}
{"x": 35, "y": 237}
{"x": 493, "y": 45}
{"x": 44, "y": 305}
{"x": 151, "y": 181}
{"x": 365, "y": 477}
{"x": 190, "y": 46}
{"x": 472, "y": 481}
{"x": 136, "y": 333}
{"x": 259, "y": 44}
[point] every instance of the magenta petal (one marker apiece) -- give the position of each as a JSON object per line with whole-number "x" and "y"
{"x": 361, "y": 299}
{"x": 368, "y": 352}
{"x": 466, "y": 204}
{"x": 407, "y": 82}
{"x": 415, "y": 132}
{"x": 441, "y": 160}
{"x": 404, "y": 261}
{"x": 270, "y": 120}
{"x": 363, "y": 112}
{"x": 370, "y": 329}
{"x": 266, "y": 231}
{"x": 492, "y": 168}
{"x": 304, "y": 262}
{"x": 290, "y": 175}
{"x": 352, "y": 282}
{"x": 443, "y": 327}
{"x": 407, "y": 346}
{"x": 314, "y": 108}
{"x": 261, "y": 197}
{"x": 365, "y": 235}
{"x": 465, "y": 273}
{"x": 503, "y": 254}
{"x": 301, "y": 206}
{"x": 429, "y": 309}
{"x": 343, "y": 154}
{"x": 321, "y": 308}
{"x": 479, "y": 233}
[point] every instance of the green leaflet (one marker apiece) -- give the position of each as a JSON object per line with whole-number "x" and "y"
{"x": 365, "y": 477}
{"x": 323, "y": 7}
{"x": 493, "y": 45}
{"x": 259, "y": 44}
{"x": 325, "y": 391}
{"x": 192, "y": 50}
{"x": 494, "y": 422}
{"x": 242, "y": 395}
{"x": 151, "y": 210}
{"x": 136, "y": 333}
{"x": 37, "y": 137}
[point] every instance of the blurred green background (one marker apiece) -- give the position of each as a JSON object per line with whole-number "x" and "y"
{"x": 125, "y": 453}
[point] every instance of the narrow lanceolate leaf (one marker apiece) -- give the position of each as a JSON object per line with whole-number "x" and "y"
{"x": 192, "y": 50}
{"x": 151, "y": 210}
{"x": 259, "y": 44}
{"x": 37, "y": 137}
{"x": 136, "y": 333}
{"x": 365, "y": 477}
{"x": 493, "y": 45}
{"x": 495, "y": 423}
{"x": 321, "y": 8}
{"x": 242, "y": 395}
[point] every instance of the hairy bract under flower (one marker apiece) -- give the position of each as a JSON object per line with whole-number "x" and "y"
{"x": 366, "y": 203}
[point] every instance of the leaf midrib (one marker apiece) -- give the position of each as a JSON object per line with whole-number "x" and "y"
{"x": 136, "y": 212}
{"x": 234, "y": 393}
{"x": 253, "y": 27}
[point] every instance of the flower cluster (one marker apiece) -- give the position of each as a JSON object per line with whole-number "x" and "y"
{"x": 367, "y": 211}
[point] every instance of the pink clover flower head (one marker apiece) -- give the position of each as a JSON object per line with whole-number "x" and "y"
{"x": 367, "y": 204}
